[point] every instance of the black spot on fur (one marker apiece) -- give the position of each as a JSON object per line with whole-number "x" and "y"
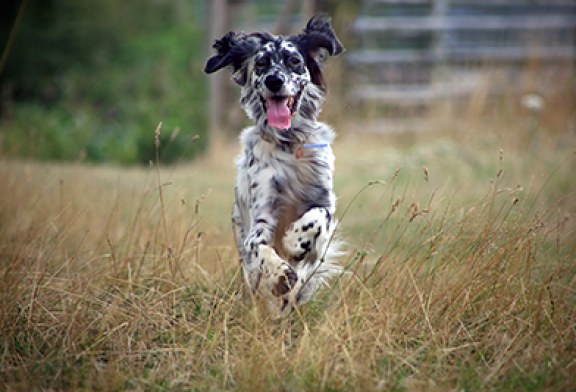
{"x": 319, "y": 163}
{"x": 307, "y": 109}
{"x": 300, "y": 257}
{"x": 285, "y": 283}
{"x": 308, "y": 226}
{"x": 278, "y": 184}
{"x": 317, "y": 196}
{"x": 318, "y": 232}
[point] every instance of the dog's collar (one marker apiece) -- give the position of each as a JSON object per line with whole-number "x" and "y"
{"x": 315, "y": 145}
{"x": 292, "y": 147}
{"x": 299, "y": 152}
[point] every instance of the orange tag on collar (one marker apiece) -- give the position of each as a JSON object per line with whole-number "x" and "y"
{"x": 299, "y": 152}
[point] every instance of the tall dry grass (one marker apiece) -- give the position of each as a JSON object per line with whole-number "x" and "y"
{"x": 461, "y": 275}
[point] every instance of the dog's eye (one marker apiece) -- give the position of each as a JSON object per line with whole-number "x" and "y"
{"x": 294, "y": 61}
{"x": 261, "y": 62}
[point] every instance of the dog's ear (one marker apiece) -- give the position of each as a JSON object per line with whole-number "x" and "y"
{"x": 316, "y": 43}
{"x": 320, "y": 34}
{"x": 233, "y": 49}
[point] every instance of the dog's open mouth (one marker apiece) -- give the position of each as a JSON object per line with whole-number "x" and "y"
{"x": 279, "y": 111}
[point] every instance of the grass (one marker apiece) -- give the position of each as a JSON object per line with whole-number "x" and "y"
{"x": 461, "y": 259}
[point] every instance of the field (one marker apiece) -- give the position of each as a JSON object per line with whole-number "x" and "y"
{"x": 461, "y": 273}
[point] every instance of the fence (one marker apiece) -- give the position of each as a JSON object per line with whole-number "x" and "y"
{"x": 411, "y": 53}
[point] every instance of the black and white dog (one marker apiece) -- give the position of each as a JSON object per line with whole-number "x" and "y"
{"x": 283, "y": 216}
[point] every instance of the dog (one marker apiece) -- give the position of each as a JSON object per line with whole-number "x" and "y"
{"x": 283, "y": 214}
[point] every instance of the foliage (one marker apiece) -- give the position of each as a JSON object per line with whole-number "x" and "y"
{"x": 91, "y": 80}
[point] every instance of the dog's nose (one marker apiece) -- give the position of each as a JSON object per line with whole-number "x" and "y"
{"x": 274, "y": 83}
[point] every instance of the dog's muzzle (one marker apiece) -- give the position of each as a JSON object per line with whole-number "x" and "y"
{"x": 279, "y": 107}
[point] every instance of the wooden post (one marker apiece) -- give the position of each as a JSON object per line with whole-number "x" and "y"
{"x": 284, "y": 25}
{"x": 440, "y": 73}
{"x": 439, "y": 12}
{"x": 309, "y": 9}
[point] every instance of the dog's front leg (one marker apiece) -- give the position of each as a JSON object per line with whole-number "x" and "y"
{"x": 307, "y": 238}
{"x": 257, "y": 194}
{"x": 277, "y": 281}
{"x": 276, "y": 277}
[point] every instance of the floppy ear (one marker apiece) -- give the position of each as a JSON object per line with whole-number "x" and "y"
{"x": 320, "y": 34}
{"x": 231, "y": 50}
{"x": 316, "y": 43}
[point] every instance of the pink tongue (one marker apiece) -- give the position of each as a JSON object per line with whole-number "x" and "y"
{"x": 278, "y": 113}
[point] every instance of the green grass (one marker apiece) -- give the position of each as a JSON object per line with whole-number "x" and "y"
{"x": 461, "y": 276}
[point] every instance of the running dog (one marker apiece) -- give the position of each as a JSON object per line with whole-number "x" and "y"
{"x": 283, "y": 215}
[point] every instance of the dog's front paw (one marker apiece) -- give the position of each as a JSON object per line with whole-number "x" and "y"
{"x": 278, "y": 275}
{"x": 286, "y": 282}
{"x": 297, "y": 244}
{"x": 302, "y": 236}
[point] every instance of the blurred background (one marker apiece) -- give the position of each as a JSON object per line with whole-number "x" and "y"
{"x": 89, "y": 81}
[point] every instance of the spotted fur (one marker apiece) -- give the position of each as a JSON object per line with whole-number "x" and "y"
{"x": 283, "y": 215}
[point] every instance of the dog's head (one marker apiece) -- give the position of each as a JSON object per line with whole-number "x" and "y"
{"x": 276, "y": 71}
